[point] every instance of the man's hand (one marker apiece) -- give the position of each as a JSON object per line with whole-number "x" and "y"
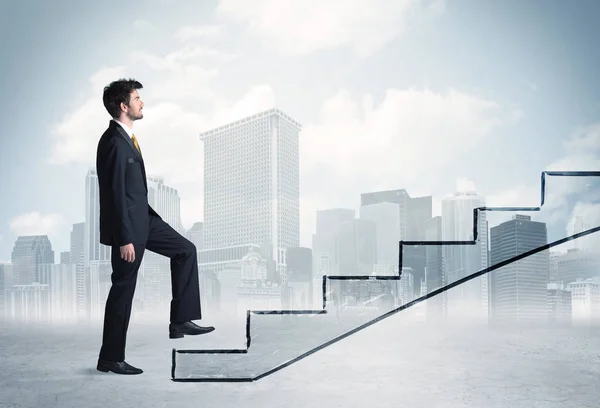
{"x": 128, "y": 253}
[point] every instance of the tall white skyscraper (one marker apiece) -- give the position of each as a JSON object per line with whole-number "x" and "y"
{"x": 77, "y": 257}
{"x": 155, "y": 290}
{"x": 579, "y": 224}
{"x": 251, "y": 184}
{"x": 469, "y": 300}
{"x": 93, "y": 251}
{"x": 165, "y": 201}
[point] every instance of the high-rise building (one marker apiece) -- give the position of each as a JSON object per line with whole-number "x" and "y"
{"x": 414, "y": 213}
{"x": 324, "y": 240}
{"x": 299, "y": 262}
{"x": 579, "y": 224}
{"x": 386, "y": 217}
{"x": 77, "y": 253}
{"x": 28, "y": 253}
{"x": 470, "y": 299}
{"x": 519, "y": 289}
{"x": 575, "y": 264}
{"x": 251, "y": 184}
{"x": 93, "y": 250}
{"x": 356, "y": 248}
{"x": 300, "y": 277}
{"x": 165, "y": 201}
{"x": 65, "y": 258}
{"x": 155, "y": 288}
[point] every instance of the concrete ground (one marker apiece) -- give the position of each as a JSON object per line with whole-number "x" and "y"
{"x": 387, "y": 365}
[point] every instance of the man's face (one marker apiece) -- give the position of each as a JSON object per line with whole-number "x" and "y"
{"x": 134, "y": 110}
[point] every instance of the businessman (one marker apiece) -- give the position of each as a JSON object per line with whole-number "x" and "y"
{"x": 129, "y": 225}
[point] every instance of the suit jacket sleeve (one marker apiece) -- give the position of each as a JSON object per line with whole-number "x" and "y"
{"x": 117, "y": 166}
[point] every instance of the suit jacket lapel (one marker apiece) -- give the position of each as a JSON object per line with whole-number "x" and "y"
{"x": 128, "y": 139}
{"x": 135, "y": 150}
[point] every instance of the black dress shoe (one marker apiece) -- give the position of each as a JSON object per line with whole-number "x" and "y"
{"x": 177, "y": 330}
{"x": 120, "y": 367}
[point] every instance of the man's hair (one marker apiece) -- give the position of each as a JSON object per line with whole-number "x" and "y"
{"x": 118, "y": 92}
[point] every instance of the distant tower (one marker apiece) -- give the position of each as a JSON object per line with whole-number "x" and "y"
{"x": 520, "y": 289}
{"x": 28, "y": 253}
{"x": 93, "y": 250}
{"x": 469, "y": 300}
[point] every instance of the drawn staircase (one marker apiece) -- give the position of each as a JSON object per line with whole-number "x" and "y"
{"x": 299, "y": 333}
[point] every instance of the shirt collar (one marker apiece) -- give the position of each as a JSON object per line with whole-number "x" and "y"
{"x": 125, "y": 127}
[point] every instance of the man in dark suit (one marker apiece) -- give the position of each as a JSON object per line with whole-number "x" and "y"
{"x": 129, "y": 225}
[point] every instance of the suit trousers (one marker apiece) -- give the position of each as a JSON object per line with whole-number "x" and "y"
{"x": 185, "y": 303}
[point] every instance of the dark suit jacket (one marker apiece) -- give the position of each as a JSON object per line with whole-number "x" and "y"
{"x": 124, "y": 209}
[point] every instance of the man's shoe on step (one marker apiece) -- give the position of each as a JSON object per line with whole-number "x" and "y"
{"x": 177, "y": 330}
{"x": 120, "y": 367}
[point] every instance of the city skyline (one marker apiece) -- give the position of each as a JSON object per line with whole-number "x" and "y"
{"x": 573, "y": 270}
{"x": 456, "y": 224}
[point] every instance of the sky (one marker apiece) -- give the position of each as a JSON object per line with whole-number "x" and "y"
{"x": 431, "y": 96}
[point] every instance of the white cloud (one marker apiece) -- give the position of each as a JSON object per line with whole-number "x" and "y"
{"x": 259, "y": 98}
{"x": 35, "y": 223}
{"x": 465, "y": 185}
{"x": 520, "y": 195}
{"x": 589, "y": 213}
{"x": 181, "y": 61}
{"x": 584, "y": 140}
{"x": 411, "y": 135}
{"x": 580, "y": 153}
{"x": 301, "y": 27}
{"x": 193, "y": 32}
{"x": 186, "y": 74}
{"x": 104, "y": 76}
{"x": 75, "y": 136}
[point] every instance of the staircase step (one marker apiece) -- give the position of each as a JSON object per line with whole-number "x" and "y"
{"x": 276, "y": 340}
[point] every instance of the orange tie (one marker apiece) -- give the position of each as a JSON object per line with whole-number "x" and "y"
{"x": 135, "y": 142}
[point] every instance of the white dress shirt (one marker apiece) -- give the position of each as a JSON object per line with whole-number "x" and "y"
{"x": 125, "y": 127}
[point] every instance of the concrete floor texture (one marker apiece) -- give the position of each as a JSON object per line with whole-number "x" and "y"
{"x": 393, "y": 363}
